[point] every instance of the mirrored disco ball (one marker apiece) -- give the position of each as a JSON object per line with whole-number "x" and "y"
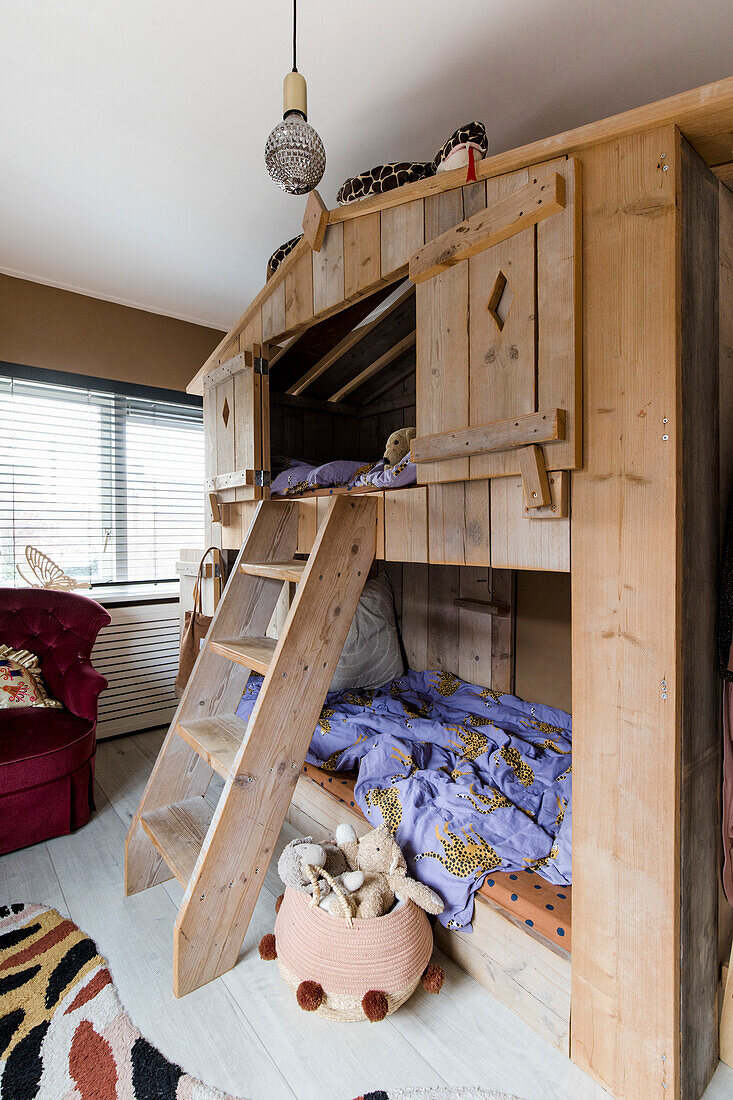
{"x": 294, "y": 156}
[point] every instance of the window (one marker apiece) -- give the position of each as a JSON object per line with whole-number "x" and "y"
{"x": 106, "y": 480}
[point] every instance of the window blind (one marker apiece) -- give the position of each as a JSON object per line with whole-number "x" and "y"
{"x": 108, "y": 484}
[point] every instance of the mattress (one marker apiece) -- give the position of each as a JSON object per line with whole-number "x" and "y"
{"x": 524, "y": 897}
{"x": 472, "y": 782}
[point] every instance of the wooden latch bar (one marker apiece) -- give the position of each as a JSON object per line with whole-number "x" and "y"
{"x": 534, "y": 476}
{"x": 497, "y": 435}
{"x": 524, "y": 207}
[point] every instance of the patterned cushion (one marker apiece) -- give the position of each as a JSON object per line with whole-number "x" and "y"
{"x": 383, "y": 177}
{"x": 20, "y": 680}
{"x": 472, "y": 135}
{"x": 280, "y": 253}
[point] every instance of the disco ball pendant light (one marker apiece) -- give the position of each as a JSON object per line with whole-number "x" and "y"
{"x": 294, "y": 153}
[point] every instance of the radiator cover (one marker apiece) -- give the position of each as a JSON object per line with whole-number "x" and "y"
{"x": 138, "y": 653}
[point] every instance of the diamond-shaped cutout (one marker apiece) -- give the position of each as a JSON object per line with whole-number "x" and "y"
{"x": 501, "y": 300}
{"x": 225, "y": 412}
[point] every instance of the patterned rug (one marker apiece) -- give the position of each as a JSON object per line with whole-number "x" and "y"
{"x": 64, "y": 1034}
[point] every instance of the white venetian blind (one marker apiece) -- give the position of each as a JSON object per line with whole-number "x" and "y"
{"x": 107, "y": 484}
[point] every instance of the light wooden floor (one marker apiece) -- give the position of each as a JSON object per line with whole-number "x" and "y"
{"x": 244, "y": 1032}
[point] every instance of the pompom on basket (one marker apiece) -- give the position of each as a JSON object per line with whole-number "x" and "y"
{"x": 351, "y": 969}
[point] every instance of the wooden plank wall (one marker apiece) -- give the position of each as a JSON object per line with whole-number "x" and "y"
{"x": 437, "y": 634}
{"x": 306, "y": 429}
{"x": 388, "y": 412}
{"x": 542, "y": 646}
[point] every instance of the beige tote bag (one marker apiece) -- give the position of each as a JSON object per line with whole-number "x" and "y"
{"x": 195, "y": 628}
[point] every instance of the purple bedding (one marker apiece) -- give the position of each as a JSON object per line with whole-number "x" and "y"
{"x": 301, "y": 477}
{"x": 470, "y": 781}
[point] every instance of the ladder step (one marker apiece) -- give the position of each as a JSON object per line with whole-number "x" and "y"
{"x": 216, "y": 739}
{"x": 178, "y": 832}
{"x": 254, "y": 653}
{"x": 280, "y": 570}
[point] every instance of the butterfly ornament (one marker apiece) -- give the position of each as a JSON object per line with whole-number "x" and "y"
{"x": 47, "y": 573}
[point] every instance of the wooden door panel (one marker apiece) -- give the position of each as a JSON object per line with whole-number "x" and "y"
{"x": 236, "y": 407}
{"x": 498, "y": 334}
{"x": 225, "y": 427}
{"x": 502, "y": 335}
{"x": 442, "y": 365}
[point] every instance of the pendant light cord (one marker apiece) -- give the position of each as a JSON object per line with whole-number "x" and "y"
{"x": 295, "y": 23}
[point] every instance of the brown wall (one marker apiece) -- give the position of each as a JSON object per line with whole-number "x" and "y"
{"x": 542, "y": 666}
{"x": 41, "y": 326}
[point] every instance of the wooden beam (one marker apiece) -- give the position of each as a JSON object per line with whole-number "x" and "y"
{"x": 483, "y": 607}
{"x": 230, "y": 366}
{"x": 704, "y": 115}
{"x": 276, "y": 351}
{"x": 346, "y": 344}
{"x": 724, "y": 172}
{"x": 319, "y": 404}
{"x": 498, "y": 435}
{"x": 644, "y": 565}
{"x": 235, "y": 480}
{"x": 315, "y": 221}
{"x": 526, "y": 206}
{"x": 379, "y": 364}
{"x": 534, "y": 476}
{"x": 272, "y": 284}
{"x": 700, "y": 743}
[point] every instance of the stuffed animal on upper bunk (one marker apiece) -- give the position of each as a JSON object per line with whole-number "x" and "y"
{"x": 398, "y": 445}
{"x": 464, "y": 148}
{"x": 346, "y": 969}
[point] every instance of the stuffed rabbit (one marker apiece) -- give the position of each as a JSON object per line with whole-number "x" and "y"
{"x": 378, "y": 856}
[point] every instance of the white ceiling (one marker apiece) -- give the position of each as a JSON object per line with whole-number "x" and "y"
{"x": 133, "y": 132}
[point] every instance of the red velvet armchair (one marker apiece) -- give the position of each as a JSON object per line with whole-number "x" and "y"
{"x": 47, "y": 755}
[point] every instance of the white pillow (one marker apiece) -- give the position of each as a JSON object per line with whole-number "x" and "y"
{"x": 371, "y": 655}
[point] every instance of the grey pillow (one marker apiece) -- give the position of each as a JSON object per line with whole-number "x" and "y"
{"x": 371, "y": 655}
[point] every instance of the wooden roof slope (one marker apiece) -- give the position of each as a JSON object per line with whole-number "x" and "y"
{"x": 288, "y": 302}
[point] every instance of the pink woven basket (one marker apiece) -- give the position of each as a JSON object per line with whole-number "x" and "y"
{"x": 388, "y": 954}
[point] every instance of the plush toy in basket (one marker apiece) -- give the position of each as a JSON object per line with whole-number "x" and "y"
{"x": 352, "y": 938}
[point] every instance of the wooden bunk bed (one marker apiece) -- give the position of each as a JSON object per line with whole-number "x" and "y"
{"x": 608, "y": 246}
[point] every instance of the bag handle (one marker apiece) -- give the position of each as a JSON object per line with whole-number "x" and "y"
{"x": 197, "y": 603}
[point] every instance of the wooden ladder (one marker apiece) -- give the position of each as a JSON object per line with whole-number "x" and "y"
{"x": 221, "y": 856}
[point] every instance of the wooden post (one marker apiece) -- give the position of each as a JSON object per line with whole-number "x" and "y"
{"x": 644, "y": 548}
